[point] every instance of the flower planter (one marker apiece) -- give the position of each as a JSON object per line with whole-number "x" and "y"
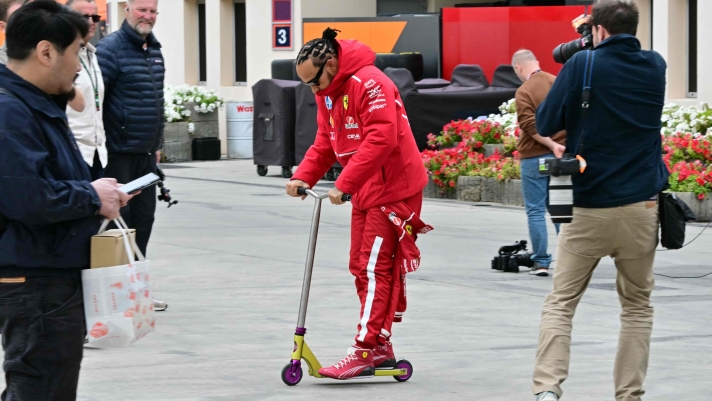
{"x": 177, "y": 142}
{"x": 200, "y": 117}
{"x": 702, "y": 208}
{"x": 206, "y": 124}
{"x": 481, "y": 189}
{"x": 512, "y": 193}
{"x": 492, "y": 190}
{"x": 469, "y": 189}
{"x": 206, "y": 129}
{"x": 433, "y": 191}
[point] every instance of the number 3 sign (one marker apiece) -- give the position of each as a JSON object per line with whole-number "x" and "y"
{"x": 283, "y": 37}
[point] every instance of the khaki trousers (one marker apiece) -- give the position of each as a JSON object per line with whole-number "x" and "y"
{"x": 628, "y": 234}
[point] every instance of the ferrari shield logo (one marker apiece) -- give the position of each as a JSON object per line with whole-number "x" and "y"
{"x": 346, "y": 102}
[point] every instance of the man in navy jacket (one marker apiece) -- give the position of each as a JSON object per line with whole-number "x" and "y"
{"x": 132, "y": 66}
{"x": 49, "y": 209}
{"x": 615, "y": 211}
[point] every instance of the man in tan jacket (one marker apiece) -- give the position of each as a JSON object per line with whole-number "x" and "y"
{"x": 532, "y": 147}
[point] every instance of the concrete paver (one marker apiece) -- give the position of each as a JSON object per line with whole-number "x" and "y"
{"x": 229, "y": 260}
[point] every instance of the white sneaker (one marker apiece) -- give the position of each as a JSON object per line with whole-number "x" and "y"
{"x": 159, "y": 306}
{"x": 539, "y": 271}
{"x": 547, "y": 396}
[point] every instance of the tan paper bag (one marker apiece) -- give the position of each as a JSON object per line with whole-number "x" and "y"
{"x": 108, "y": 249}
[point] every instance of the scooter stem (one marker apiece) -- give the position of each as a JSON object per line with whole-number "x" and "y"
{"x": 306, "y": 284}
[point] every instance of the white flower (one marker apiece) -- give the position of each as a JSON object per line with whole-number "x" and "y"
{"x": 191, "y": 128}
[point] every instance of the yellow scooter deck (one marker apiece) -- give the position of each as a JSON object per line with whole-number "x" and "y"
{"x": 302, "y": 351}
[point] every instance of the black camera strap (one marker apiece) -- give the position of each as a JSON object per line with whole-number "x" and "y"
{"x": 585, "y": 96}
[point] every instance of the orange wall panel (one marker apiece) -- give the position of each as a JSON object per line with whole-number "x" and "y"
{"x": 379, "y": 36}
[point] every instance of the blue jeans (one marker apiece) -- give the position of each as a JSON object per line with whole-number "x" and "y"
{"x": 535, "y": 189}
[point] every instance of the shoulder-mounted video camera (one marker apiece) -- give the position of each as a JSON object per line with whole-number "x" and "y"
{"x": 510, "y": 257}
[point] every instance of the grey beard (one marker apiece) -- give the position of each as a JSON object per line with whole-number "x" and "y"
{"x": 138, "y": 30}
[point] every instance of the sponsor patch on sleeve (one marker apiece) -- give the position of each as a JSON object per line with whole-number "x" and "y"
{"x": 375, "y": 92}
{"x": 376, "y": 107}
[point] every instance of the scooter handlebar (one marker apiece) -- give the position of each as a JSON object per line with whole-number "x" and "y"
{"x": 306, "y": 191}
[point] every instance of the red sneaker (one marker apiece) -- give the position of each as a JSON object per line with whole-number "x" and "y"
{"x": 357, "y": 364}
{"x": 383, "y": 356}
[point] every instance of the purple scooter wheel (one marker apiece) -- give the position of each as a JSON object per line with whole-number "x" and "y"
{"x": 292, "y": 373}
{"x": 403, "y": 364}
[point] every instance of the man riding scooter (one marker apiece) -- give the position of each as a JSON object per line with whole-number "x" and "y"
{"x": 362, "y": 124}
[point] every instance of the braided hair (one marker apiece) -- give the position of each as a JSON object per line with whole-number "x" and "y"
{"x": 319, "y": 50}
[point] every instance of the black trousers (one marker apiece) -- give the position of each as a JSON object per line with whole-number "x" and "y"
{"x": 139, "y": 213}
{"x": 42, "y": 327}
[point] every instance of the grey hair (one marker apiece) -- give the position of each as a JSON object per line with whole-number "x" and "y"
{"x": 523, "y": 56}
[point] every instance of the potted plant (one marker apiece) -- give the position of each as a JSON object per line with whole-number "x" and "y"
{"x": 190, "y": 112}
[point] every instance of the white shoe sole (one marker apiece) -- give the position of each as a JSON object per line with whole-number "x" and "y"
{"x": 539, "y": 273}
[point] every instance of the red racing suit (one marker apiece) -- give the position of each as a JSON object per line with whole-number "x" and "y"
{"x": 363, "y": 125}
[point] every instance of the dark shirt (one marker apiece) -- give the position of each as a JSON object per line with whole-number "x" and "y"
{"x": 621, "y": 131}
{"x": 45, "y": 190}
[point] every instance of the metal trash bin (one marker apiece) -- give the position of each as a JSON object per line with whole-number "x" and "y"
{"x": 240, "y": 117}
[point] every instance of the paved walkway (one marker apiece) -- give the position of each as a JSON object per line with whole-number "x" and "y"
{"x": 229, "y": 260}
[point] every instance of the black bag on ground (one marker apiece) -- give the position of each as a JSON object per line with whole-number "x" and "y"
{"x": 674, "y": 215}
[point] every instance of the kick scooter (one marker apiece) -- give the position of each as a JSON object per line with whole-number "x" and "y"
{"x": 292, "y": 372}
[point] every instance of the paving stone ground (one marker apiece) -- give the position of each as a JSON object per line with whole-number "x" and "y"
{"x": 229, "y": 260}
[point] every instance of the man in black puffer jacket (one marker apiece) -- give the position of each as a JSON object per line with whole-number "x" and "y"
{"x": 132, "y": 66}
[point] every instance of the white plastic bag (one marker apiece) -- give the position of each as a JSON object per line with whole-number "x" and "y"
{"x": 118, "y": 304}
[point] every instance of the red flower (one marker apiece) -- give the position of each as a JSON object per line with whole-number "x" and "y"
{"x": 452, "y": 184}
{"x": 701, "y": 196}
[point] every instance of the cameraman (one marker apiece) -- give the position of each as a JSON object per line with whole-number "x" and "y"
{"x": 532, "y": 147}
{"x": 615, "y": 211}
